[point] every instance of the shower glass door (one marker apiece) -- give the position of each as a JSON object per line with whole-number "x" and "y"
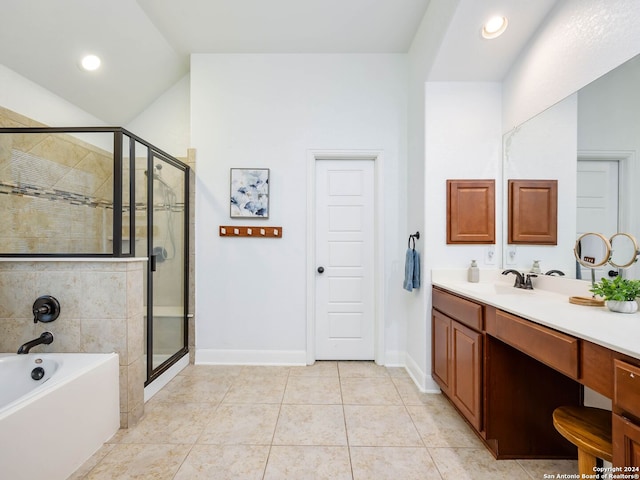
{"x": 167, "y": 262}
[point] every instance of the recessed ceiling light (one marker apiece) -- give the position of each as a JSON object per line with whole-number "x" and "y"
{"x": 90, "y": 62}
{"x": 494, "y": 27}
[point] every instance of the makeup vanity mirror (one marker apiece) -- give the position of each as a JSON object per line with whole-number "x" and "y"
{"x": 593, "y": 250}
{"x": 590, "y": 143}
{"x": 624, "y": 250}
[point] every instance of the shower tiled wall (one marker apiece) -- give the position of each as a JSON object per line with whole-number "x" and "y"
{"x": 101, "y": 311}
{"x": 56, "y": 191}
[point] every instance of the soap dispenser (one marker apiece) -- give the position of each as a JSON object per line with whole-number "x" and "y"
{"x": 536, "y": 267}
{"x": 473, "y": 274}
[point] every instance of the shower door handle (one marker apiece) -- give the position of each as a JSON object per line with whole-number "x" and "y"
{"x": 153, "y": 263}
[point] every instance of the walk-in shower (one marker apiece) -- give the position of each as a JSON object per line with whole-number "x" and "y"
{"x": 103, "y": 192}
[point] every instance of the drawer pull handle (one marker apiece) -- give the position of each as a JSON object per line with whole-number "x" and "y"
{"x": 632, "y": 375}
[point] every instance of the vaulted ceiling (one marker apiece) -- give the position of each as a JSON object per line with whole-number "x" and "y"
{"x": 145, "y": 44}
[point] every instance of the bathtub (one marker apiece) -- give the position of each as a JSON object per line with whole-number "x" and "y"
{"x": 52, "y": 423}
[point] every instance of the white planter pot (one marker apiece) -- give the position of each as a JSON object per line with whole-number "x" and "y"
{"x": 622, "y": 307}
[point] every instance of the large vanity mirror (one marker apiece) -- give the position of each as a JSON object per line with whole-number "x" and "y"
{"x": 590, "y": 143}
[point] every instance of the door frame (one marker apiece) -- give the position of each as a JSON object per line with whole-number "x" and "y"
{"x": 626, "y": 173}
{"x": 378, "y": 244}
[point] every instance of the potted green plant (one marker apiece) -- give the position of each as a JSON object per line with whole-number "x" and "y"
{"x": 620, "y": 293}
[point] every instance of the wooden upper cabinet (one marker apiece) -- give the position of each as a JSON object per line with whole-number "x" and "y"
{"x": 471, "y": 211}
{"x": 533, "y": 212}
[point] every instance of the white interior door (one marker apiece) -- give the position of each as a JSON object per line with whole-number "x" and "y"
{"x": 345, "y": 314}
{"x": 597, "y": 203}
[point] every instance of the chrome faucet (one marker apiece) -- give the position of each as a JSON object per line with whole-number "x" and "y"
{"x": 519, "y": 283}
{"x": 46, "y": 338}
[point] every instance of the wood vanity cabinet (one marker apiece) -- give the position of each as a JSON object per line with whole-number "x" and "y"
{"x": 506, "y": 394}
{"x": 457, "y": 353}
{"x": 626, "y": 416}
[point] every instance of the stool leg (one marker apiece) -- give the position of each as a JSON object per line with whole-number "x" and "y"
{"x": 586, "y": 463}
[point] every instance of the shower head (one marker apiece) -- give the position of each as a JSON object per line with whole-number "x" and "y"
{"x": 157, "y": 176}
{"x": 156, "y": 172}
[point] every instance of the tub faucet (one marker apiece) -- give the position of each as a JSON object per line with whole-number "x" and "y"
{"x": 519, "y": 283}
{"x": 46, "y": 338}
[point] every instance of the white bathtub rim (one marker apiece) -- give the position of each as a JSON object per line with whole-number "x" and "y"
{"x": 53, "y": 382}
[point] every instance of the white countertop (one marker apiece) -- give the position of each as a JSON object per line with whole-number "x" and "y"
{"x": 548, "y": 304}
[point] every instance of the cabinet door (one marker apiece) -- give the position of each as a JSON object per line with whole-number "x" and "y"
{"x": 440, "y": 348}
{"x": 626, "y": 443}
{"x": 466, "y": 360}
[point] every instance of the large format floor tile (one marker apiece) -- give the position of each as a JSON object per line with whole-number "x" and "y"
{"x": 369, "y": 391}
{"x": 310, "y": 425}
{"x": 382, "y": 463}
{"x": 241, "y": 425}
{"x": 332, "y": 420}
{"x": 241, "y": 462}
{"x": 318, "y": 463}
{"x": 318, "y": 390}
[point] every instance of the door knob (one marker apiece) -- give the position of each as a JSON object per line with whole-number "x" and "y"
{"x": 320, "y": 269}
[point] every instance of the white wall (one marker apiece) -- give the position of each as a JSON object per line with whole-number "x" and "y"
{"x": 166, "y": 122}
{"x": 270, "y": 111}
{"x": 580, "y": 41}
{"x": 31, "y": 100}
{"x": 422, "y": 53}
{"x": 462, "y": 125}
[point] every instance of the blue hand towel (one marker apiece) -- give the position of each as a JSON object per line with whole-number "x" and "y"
{"x": 411, "y": 270}
{"x": 416, "y": 269}
{"x": 408, "y": 270}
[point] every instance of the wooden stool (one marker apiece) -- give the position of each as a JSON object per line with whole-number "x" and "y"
{"x": 589, "y": 429}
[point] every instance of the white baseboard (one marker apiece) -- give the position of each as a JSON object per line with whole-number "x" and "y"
{"x": 206, "y": 356}
{"x": 423, "y": 381}
{"x": 394, "y": 358}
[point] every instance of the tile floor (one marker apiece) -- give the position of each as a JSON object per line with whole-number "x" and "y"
{"x": 332, "y": 420}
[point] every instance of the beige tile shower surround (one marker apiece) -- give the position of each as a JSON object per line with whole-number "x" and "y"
{"x": 101, "y": 311}
{"x": 332, "y": 420}
{"x": 53, "y": 161}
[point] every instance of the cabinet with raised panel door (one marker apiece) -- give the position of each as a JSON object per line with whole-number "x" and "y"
{"x": 457, "y": 353}
{"x": 626, "y": 417}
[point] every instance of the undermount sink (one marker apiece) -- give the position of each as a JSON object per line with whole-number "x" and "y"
{"x": 496, "y": 289}
{"x": 501, "y": 289}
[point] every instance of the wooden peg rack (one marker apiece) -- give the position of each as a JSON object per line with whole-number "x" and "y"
{"x": 238, "y": 231}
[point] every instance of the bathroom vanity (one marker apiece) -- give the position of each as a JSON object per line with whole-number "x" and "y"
{"x": 506, "y": 358}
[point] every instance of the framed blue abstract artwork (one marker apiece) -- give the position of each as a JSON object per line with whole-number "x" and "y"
{"x": 249, "y": 192}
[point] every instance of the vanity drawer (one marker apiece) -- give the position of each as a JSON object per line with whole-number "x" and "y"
{"x": 553, "y": 348}
{"x": 626, "y": 389}
{"x": 464, "y": 311}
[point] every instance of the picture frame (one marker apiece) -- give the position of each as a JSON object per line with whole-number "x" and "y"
{"x": 249, "y": 193}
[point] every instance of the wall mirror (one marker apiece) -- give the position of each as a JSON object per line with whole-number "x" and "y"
{"x": 590, "y": 143}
